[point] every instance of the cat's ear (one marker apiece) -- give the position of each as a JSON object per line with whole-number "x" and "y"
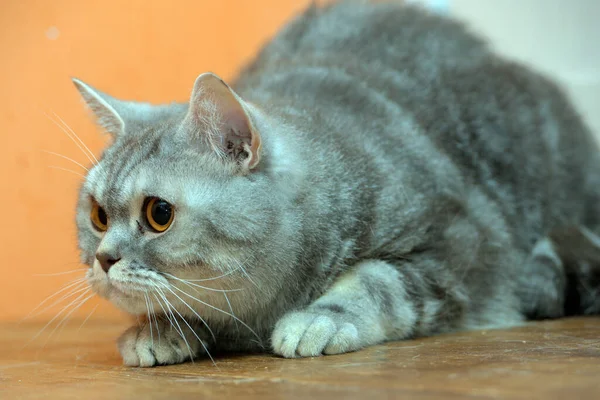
{"x": 103, "y": 106}
{"x": 118, "y": 116}
{"x": 220, "y": 116}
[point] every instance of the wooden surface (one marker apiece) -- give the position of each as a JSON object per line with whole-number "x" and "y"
{"x": 546, "y": 360}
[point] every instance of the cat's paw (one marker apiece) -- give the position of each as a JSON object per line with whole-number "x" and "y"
{"x": 309, "y": 334}
{"x": 165, "y": 345}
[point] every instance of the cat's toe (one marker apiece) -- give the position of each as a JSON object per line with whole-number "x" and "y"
{"x": 316, "y": 337}
{"x": 345, "y": 339}
{"x": 141, "y": 347}
{"x": 126, "y": 345}
{"x": 306, "y": 334}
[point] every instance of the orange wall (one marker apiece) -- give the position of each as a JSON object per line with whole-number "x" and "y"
{"x": 139, "y": 49}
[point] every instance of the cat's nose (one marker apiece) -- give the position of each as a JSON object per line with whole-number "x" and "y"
{"x": 107, "y": 260}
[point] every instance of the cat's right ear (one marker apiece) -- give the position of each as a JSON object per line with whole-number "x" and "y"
{"x": 104, "y": 107}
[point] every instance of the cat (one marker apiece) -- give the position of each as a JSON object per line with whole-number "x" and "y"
{"x": 377, "y": 173}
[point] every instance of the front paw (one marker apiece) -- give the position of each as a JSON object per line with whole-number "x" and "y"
{"x": 309, "y": 334}
{"x": 141, "y": 346}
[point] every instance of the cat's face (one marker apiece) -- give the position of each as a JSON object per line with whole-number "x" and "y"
{"x": 166, "y": 217}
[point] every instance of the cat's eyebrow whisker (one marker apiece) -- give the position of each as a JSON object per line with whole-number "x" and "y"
{"x": 193, "y": 331}
{"x": 62, "y": 128}
{"x": 218, "y": 309}
{"x": 67, "y": 158}
{"x": 77, "y": 137}
{"x": 66, "y": 169}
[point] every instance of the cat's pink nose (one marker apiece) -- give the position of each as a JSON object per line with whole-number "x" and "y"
{"x": 107, "y": 260}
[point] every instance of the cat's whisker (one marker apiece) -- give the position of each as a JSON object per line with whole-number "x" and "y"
{"x": 188, "y": 283}
{"x": 76, "y": 282}
{"x": 72, "y": 138}
{"x": 57, "y": 316}
{"x": 77, "y": 137}
{"x": 66, "y": 169}
{"x": 241, "y": 267}
{"x": 75, "y": 291}
{"x": 88, "y": 317}
{"x": 61, "y": 273}
{"x": 194, "y": 332}
{"x": 218, "y": 309}
{"x": 153, "y": 314}
{"x": 67, "y": 158}
{"x": 214, "y": 278}
{"x": 192, "y": 310}
{"x": 237, "y": 327}
{"x": 149, "y": 319}
{"x": 66, "y": 317}
{"x": 174, "y": 322}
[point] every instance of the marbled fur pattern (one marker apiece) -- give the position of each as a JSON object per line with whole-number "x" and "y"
{"x": 411, "y": 182}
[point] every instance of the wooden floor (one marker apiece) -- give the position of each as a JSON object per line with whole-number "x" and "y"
{"x": 547, "y": 360}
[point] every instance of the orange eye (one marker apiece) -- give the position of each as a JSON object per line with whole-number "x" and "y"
{"x": 159, "y": 213}
{"x": 99, "y": 217}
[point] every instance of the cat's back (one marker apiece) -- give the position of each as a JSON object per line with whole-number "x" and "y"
{"x": 371, "y": 75}
{"x": 387, "y": 34}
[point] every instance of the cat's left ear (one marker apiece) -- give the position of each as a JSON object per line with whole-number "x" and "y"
{"x": 218, "y": 115}
{"x": 119, "y": 116}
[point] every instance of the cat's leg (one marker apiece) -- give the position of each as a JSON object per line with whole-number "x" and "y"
{"x": 562, "y": 275}
{"x": 162, "y": 341}
{"x": 367, "y": 305}
{"x": 542, "y": 285}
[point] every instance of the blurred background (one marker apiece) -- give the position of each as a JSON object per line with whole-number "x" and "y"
{"x": 153, "y": 50}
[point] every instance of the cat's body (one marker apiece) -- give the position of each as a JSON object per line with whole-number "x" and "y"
{"x": 384, "y": 177}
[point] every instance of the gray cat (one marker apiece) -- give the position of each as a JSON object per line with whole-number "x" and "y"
{"x": 376, "y": 174}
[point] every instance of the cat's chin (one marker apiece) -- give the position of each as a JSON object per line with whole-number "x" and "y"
{"x": 131, "y": 302}
{"x": 126, "y": 299}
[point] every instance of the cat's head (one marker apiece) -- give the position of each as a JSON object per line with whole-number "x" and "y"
{"x": 185, "y": 197}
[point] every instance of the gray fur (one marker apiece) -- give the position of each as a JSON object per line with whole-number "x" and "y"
{"x": 410, "y": 182}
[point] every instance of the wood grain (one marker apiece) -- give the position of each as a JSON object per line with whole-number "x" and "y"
{"x": 545, "y": 360}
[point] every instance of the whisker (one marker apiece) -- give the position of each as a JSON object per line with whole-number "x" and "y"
{"x": 241, "y": 266}
{"x": 61, "y": 273}
{"x": 149, "y": 320}
{"x": 66, "y": 169}
{"x": 55, "y": 317}
{"x": 153, "y": 313}
{"x": 88, "y": 317}
{"x": 218, "y": 309}
{"x": 67, "y": 158}
{"x": 77, "y": 137}
{"x": 192, "y": 310}
{"x": 212, "y": 279}
{"x": 65, "y": 319}
{"x": 64, "y": 297}
{"x": 187, "y": 282}
{"x": 71, "y": 137}
{"x": 174, "y": 322}
{"x": 195, "y": 334}
{"x": 237, "y": 327}
{"x": 67, "y": 286}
